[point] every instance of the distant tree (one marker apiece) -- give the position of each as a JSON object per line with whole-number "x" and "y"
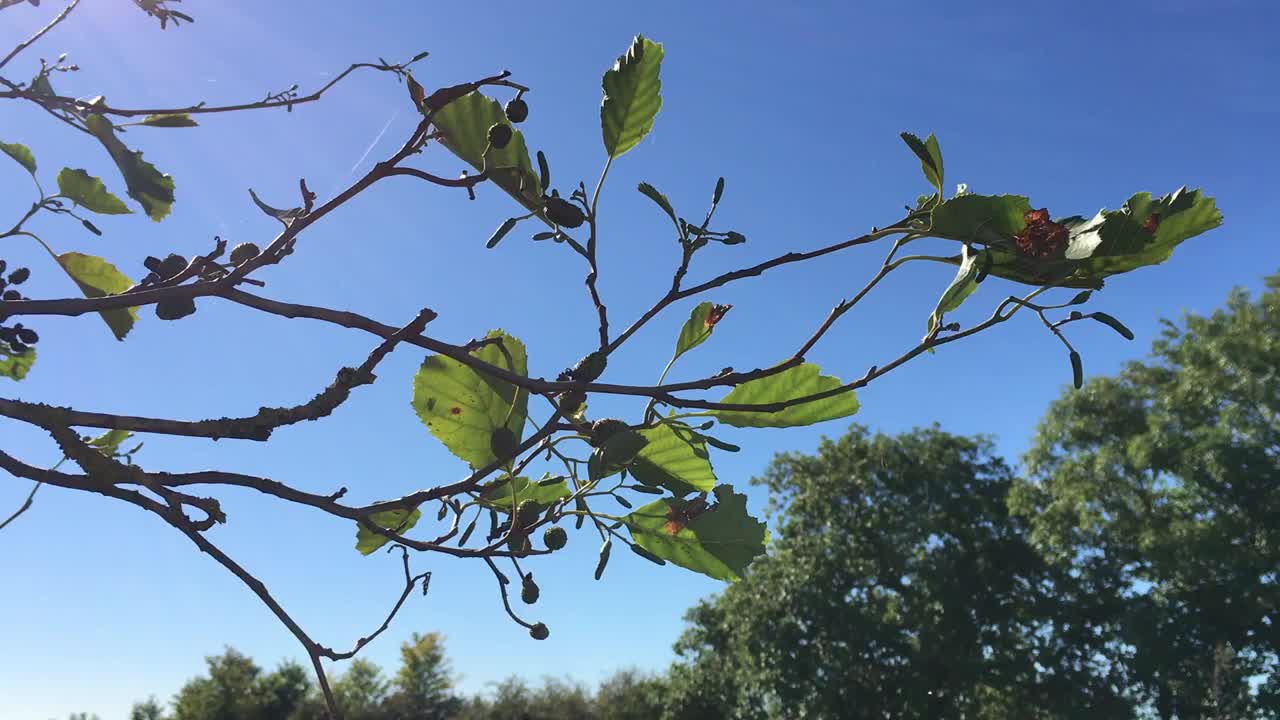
{"x": 148, "y": 709}
{"x": 361, "y": 692}
{"x": 423, "y": 686}
{"x": 227, "y": 692}
{"x": 1166, "y": 478}
{"x": 898, "y": 586}
{"x": 283, "y": 691}
{"x": 236, "y": 688}
{"x": 513, "y": 699}
{"x": 630, "y": 695}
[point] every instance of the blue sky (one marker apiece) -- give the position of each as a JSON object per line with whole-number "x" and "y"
{"x": 797, "y": 104}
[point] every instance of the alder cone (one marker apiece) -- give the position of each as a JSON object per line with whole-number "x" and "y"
{"x": 175, "y": 308}
{"x": 555, "y": 538}
{"x": 517, "y": 110}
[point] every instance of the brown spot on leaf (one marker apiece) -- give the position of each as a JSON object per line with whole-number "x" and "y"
{"x": 716, "y": 314}
{"x": 1152, "y": 223}
{"x": 455, "y": 410}
{"x": 1041, "y": 238}
{"x": 677, "y": 520}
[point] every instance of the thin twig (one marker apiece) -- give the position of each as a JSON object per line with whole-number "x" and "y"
{"x": 39, "y": 33}
{"x": 26, "y": 504}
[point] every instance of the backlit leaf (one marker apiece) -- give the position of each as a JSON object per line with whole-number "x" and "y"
{"x": 462, "y": 407}
{"x": 464, "y": 127}
{"x": 695, "y": 331}
{"x": 398, "y": 521}
{"x": 147, "y": 185}
{"x": 98, "y": 278}
{"x": 674, "y": 458}
{"x": 961, "y": 287}
{"x": 89, "y": 192}
{"x": 632, "y": 96}
{"x": 720, "y": 542}
{"x": 21, "y": 154}
{"x": 172, "y": 120}
{"x": 507, "y": 493}
{"x": 799, "y": 381}
{"x": 16, "y": 367}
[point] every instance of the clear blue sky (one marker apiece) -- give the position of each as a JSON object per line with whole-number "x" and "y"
{"x": 797, "y": 104}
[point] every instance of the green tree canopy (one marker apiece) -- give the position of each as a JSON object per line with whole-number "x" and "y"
{"x": 899, "y": 586}
{"x": 1166, "y": 478}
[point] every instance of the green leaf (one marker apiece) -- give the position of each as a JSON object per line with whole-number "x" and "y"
{"x": 108, "y": 443}
{"x": 462, "y": 407}
{"x": 720, "y": 542}
{"x": 397, "y": 521}
{"x": 152, "y": 189}
{"x": 695, "y": 331}
{"x": 98, "y": 278}
{"x": 961, "y": 287}
{"x": 464, "y": 127}
{"x": 930, "y": 157}
{"x": 16, "y": 367}
{"x": 1116, "y": 242}
{"x": 660, "y": 200}
{"x": 171, "y": 120}
{"x": 507, "y": 493}
{"x": 90, "y": 193}
{"x": 20, "y": 153}
{"x": 674, "y": 458}
{"x": 1109, "y": 243}
{"x": 789, "y": 384}
{"x": 985, "y": 219}
{"x": 632, "y": 96}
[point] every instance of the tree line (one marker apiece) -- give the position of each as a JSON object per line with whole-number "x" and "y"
{"x": 1128, "y": 570}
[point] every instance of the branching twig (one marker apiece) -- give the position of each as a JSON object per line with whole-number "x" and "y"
{"x": 39, "y": 33}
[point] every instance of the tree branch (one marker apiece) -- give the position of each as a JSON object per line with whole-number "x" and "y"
{"x": 255, "y": 427}
{"x": 273, "y": 101}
